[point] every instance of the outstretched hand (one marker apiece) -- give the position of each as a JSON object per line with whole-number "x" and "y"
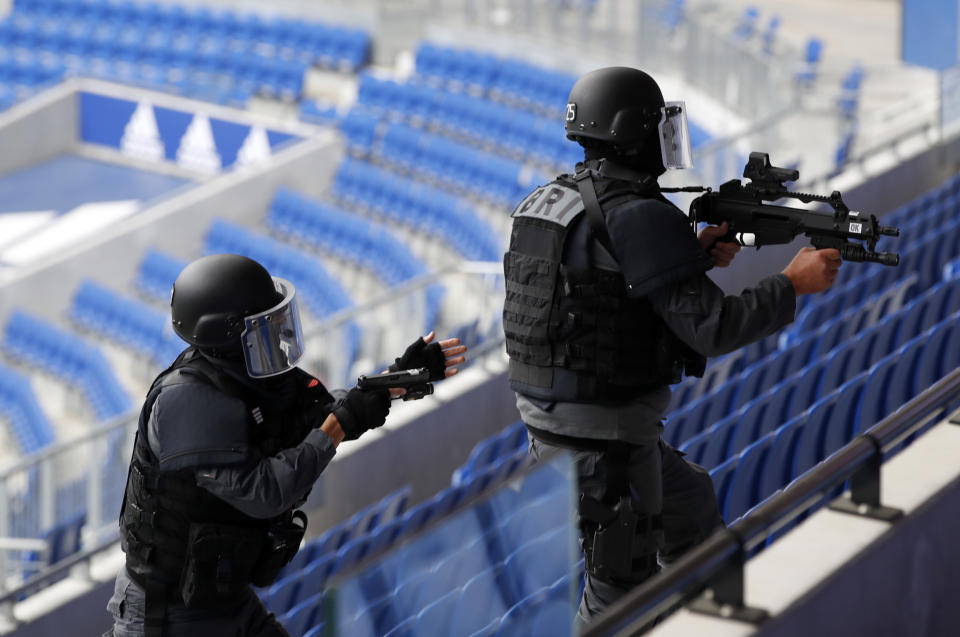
{"x": 453, "y": 352}
{"x": 722, "y": 252}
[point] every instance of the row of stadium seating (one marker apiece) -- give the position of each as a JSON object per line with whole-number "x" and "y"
{"x": 126, "y": 321}
{"x": 777, "y": 389}
{"x": 511, "y": 81}
{"x": 187, "y": 27}
{"x": 420, "y": 207}
{"x": 779, "y": 456}
{"x": 344, "y": 235}
{"x": 19, "y": 407}
{"x": 490, "y": 125}
{"x": 494, "y": 552}
{"x": 62, "y": 354}
{"x": 459, "y": 167}
{"x": 217, "y": 56}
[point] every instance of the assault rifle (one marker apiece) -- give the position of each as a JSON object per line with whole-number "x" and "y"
{"x": 416, "y": 382}
{"x": 752, "y": 222}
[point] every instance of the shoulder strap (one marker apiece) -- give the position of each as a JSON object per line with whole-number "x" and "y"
{"x": 595, "y": 217}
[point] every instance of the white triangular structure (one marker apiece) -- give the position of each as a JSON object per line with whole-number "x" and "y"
{"x": 255, "y": 149}
{"x": 141, "y": 138}
{"x": 198, "y": 150}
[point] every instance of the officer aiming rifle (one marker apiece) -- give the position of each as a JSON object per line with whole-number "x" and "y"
{"x": 608, "y": 303}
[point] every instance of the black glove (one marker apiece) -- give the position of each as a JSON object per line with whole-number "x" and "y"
{"x": 418, "y": 355}
{"x": 360, "y": 411}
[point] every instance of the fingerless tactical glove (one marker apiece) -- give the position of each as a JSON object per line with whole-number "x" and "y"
{"x": 418, "y": 355}
{"x": 360, "y": 411}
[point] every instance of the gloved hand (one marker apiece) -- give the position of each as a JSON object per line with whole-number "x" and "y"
{"x": 419, "y": 354}
{"x": 360, "y": 411}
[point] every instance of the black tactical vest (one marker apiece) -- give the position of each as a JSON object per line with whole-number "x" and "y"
{"x": 162, "y": 513}
{"x": 575, "y": 335}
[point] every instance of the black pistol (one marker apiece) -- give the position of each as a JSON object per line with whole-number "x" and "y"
{"x": 416, "y": 382}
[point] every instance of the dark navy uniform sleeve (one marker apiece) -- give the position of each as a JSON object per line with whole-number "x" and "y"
{"x": 699, "y": 313}
{"x": 270, "y": 486}
{"x": 655, "y": 245}
{"x": 195, "y": 426}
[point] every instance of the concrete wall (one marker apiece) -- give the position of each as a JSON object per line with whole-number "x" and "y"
{"x": 54, "y": 112}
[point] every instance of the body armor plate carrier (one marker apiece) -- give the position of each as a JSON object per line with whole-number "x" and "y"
{"x": 575, "y": 335}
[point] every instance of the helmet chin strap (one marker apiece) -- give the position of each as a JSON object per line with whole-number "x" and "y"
{"x": 638, "y": 158}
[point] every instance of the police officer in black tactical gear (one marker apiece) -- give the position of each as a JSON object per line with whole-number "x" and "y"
{"x": 230, "y": 440}
{"x": 607, "y": 305}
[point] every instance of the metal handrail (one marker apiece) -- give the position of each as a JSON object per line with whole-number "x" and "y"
{"x": 706, "y": 563}
{"x": 53, "y": 572}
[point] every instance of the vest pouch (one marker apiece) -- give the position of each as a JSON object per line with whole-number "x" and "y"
{"x": 283, "y": 542}
{"x": 219, "y": 563}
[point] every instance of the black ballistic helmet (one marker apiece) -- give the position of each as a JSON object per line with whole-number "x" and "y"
{"x": 212, "y": 296}
{"x": 615, "y": 106}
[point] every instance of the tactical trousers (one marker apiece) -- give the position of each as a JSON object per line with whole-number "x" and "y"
{"x": 661, "y": 483}
{"x": 249, "y": 619}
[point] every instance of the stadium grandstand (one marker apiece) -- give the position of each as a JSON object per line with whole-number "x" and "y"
{"x": 370, "y": 152}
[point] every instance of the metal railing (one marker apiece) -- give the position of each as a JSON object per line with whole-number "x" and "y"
{"x": 717, "y": 565}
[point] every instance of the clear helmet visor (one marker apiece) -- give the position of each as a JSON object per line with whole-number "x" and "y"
{"x": 675, "y": 136}
{"x": 273, "y": 339}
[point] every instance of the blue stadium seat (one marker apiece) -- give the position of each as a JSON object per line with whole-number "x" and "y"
{"x": 322, "y": 294}
{"x": 489, "y": 449}
{"x": 722, "y": 475}
{"x": 867, "y": 406}
{"x": 693, "y": 447}
{"x": 480, "y": 604}
{"x": 126, "y": 321}
{"x": 809, "y": 446}
{"x": 279, "y": 598}
{"x": 437, "y": 618}
{"x": 778, "y": 469}
{"x": 835, "y": 373}
{"x": 157, "y": 273}
{"x": 751, "y": 380}
{"x": 62, "y": 354}
{"x": 64, "y": 539}
{"x": 316, "y": 631}
{"x": 744, "y": 492}
{"x": 19, "y": 406}
{"x": 314, "y": 577}
{"x": 522, "y": 617}
{"x": 406, "y": 628}
{"x": 555, "y": 616}
{"x": 715, "y": 450}
{"x": 537, "y": 563}
{"x": 813, "y": 51}
{"x": 749, "y": 421}
{"x": 303, "y": 616}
